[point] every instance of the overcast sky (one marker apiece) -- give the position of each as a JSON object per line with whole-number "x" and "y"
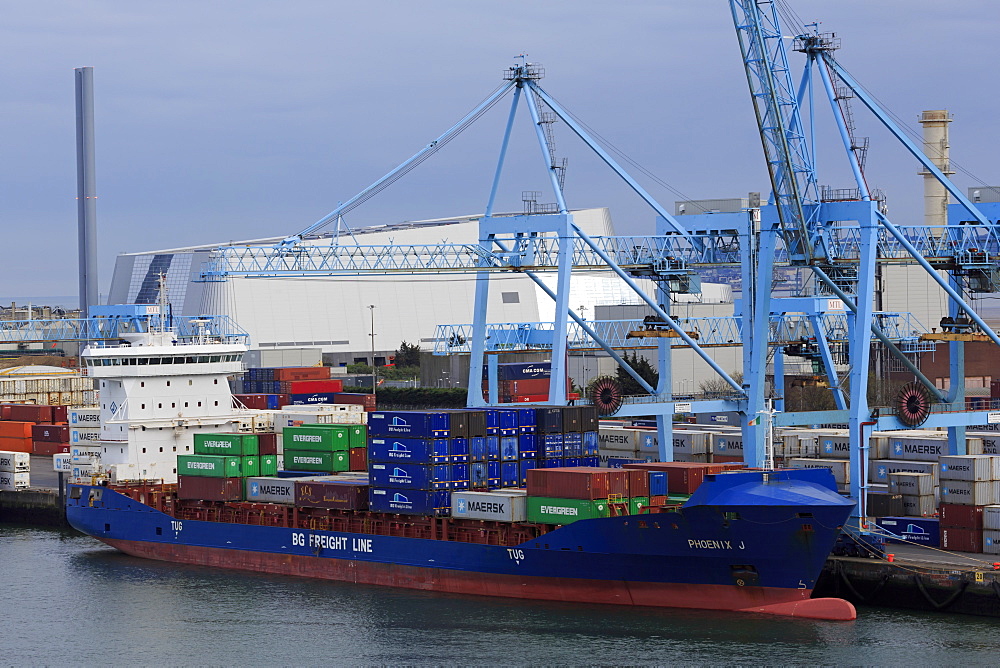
{"x": 224, "y": 120}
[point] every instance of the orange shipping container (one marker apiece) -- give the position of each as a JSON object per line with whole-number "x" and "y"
{"x": 10, "y": 429}
{"x": 15, "y": 444}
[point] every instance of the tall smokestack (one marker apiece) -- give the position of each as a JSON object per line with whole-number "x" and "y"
{"x": 86, "y": 189}
{"x": 936, "y": 148}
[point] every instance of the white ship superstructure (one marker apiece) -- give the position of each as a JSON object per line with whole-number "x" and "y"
{"x": 157, "y": 390}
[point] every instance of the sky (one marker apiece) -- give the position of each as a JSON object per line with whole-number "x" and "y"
{"x": 220, "y": 120}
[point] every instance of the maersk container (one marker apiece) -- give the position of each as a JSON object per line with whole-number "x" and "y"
{"x": 527, "y": 446}
{"x": 991, "y": 517}
{"x": 510, "y": 475}
{"x": 410, "y": 476}
{"x": 508, "y": 449}
{"x": 922, "y": 530}
{"x": 550, "y": 510}
{"x": 84, "y": 435}
{"x": 84, "y": 417}
{"x": 493, "y": 448}
{"x": 419, "y": 424}
{"x": 969, "y": 493}
{"x": 326, "y": 462}
{"x": 552, "y": 445}
{"x": 727, "y": 445}
{"x": 196, "y": 487}
{"x": 497, "y": 506}
{"x": 11, "y": 481}
{"x": 208, "y": 466}
{"x": 691, "y": 442}
{"x": 234, "y": 445}
{"x": 331, "y": 492}
{"x": 271, "y": 490}
{"x": 617, "y": 438}
{"x": 971, "y": 468}
{"x": 477, "y": 449}
{"x": 834, "y": 445}
{"x": 879, "y": 470}
{"x": 409, "y": 501}
{"x": 411, "y": 450}
{"x": 573, "y": 445}
{"x": 918, "y": 449}
{"x": 911, "y": 484}
{"x": 991, "y": 541}
{"x": 317, "y": 438}
{"x": 459, "y": 450}
{"x": 841, "y": 467}
{"x": 919, "y": 506}
{"x": 13, "y": 462}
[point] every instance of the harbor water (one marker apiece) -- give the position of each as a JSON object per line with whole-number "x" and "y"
{"x": 68, "y": 599}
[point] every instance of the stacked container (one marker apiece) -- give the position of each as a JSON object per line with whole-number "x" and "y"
{"x": 318, "y": 448}
{"x": 969, "y": 484}
{"x": 556, "y": 437}
{"x": 220, "y": 462}
{"x": 15, "y": 471}
{"x": 563, "y": 496}
{"x": 918, "y": 492}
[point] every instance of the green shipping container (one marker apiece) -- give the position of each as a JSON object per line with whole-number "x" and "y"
{"x": 309, "y": 460}
{"x": 637, "y": 503}
{"x": 268, "y": 465}
{"x": 316, "y": 438}
{"x": 546, "y": 510}
{"x": 358, "y": 435}
{"x": 209, "y": 466}
{"x": 250, "y": 467}
{"x": 236, "y": 445}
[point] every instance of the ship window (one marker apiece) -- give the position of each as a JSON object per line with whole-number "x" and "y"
{"x": 143, "y": 405}
{"x": 190, "y": 382}
{"x": 203, "y": 359}
{"x": 102, "y": 383}
{"x": 142, "y": 384}
{"x": 175, "y": 448}
{"x": 159, "y": 405}
{"x": 216, "y": 358}
{"x": 190, "y": 360}
{"x": 144, "y": 451}
{"x": 116, "y": 362}
{"x": 154, "y": 360}
{"x": 168, "y": 383}
{"x": 75, "y": 492}
{"x": 142, "y": 361}
{"x": 804, "y": 516}
{"x": 161, "y": 449}
{"x": 185, "y": 404}
{"x": 216, "y": 381}
{"x": 173, "y": 404}
{"x": 216, "y": 403}
{"x": 159, "y": 531}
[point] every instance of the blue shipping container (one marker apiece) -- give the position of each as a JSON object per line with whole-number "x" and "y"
{"x": 550, "y": 463}
{"x": 492, "y": 422}
{"x": 507, "y": 420}
{"x": 477, "y": 449}
{"x": 410, "y": 476}
{"x": 525, "y": 420}
{"x": 552, "y": 446}
{"x": 524, "y": 466}
{"x": 921, "y": 530}
{"x": 459, "y": 450}
{"x": 524, "y": 371}
{"x": 591, "y": 444}
{"x": 493, "y": 448}
{"x": 493, "y": 473}
{"x": 415, "y": 450}
{"x": 571, "y": 461}
{"x": 618, "y": 462}
{"x": 460, "y": 476}
{"x": 658, "y": 483}
{"x": 478, "y": 476}
{"x": 508, "y": 449}
{"x": 573, "y": 445}
{"x": 590, "y": 461}
{"x": 417, "y": 424}
{"x": 409, "y": 501}
{"x": 510, "y": 474}
{"x": 527, "y": 446}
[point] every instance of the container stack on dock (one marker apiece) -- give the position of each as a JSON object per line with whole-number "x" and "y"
{"x": 15, "y": 471}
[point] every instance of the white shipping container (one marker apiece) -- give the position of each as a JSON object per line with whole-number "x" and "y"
{"x": 84, "y": 417}
{"x": 690, "y": 443}
{"x": 919, "y": 506}
{"x": 498, "y": 506}
{"x": 12, "y": 482}
{"x": 62, "y": 462}
{"x": 616, "y": 438}
{"x": 271, "y": 490}
{"x": 841, "y": 467}
{"x": 969, "y": 493}
{"x": 879, "y": 470}
{"x": 727, "y": 445}
{"x": 13, "y": 462}
{"x": 911, "y": 484}
{"x": 991, "y": 541}
{"x": 990, "y": 441}
{"x": 991, "y": 517}
{"x": 973, "y": 468}
{"x": 84, "y": 435}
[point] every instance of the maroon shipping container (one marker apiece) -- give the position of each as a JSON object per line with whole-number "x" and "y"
{"x": 209, "y": 489}
{"x": 957, "y": 516}
{"x": 578, "y": 482}
{"x": 254, "y": 401}
{"x": 726, "y": 459}
{"x": 638, "y": 482}
{"x": 28, "y": 413}
{"x": 48, "y": 448}
{"x": 60, "y": 414}
{"x": 312, "y": 386}
{"x": 302, "y": 373}
{"x": 267, "y": 443}
{"x": 366, "y": 400}
{"x": 359, "y": 459}
{"x": 50, "y": 433}
{"x": 961, "y": 540}
{"x": 682, "y": 477}
{"x": 324, "y": 492}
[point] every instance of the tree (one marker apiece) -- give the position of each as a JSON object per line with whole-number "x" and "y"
{"x": 408, "y": 354}
{"x": 645, "y": 370}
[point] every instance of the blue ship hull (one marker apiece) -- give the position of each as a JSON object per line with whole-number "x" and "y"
{"x": 749, "y": 541}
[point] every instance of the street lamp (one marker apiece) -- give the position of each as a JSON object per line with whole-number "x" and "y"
{"x": 371, "y": 307}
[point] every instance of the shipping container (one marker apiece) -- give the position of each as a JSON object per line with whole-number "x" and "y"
{"x": 459, "y": 450}
{"x": 16, "y": 429}
{"x": 510, "y": 474}
{"x": 83, "y": 417}
{"x": 573, "y": 444}
{"x": 523, "y": 467}
{"x": 414, "y": 424}
{"x": 415, "y": 450}
{"x": 358, "y": 459}
{"x": 232, "y": 445}
{"x": 15, "y": 462}
{"x": 409, "y": 501}
{"x": 911, "y": 484}
{"x": 578, "y": 483}
{"x": 971, "y": 468}
{"x": 961, "y": 540}
{"x": 497, "y": 506}
{"x": 551, "y": 445}
{"x": 11, "y": 481}
{"x": 312, "y": 460}
{"x": 638, "y": 483}
{"x": 300, "y": 373}
{"x": 365, "y": 400}
{"x": 411, "y": 476}
{"x": 325, "y": 386}
{"x": 885, "y": 505}
{"x": 961, "y": 516}
{"x": 316, "y": 438}
{"x": 208, "y": 466}
{"x": 922, "y": 530}
{"x": 267, "y": 443}
{"x": 509, "y": 449}
{"x": 919, "y": 506}
{"x": 331, "y": 492}
{"x": 991, "y": 541}
{"x": 682, "y": 477}
{"x": 991, "y": 517}
{"x": 658, "y": 483}
{"x": 271, "y": 490}
{"x": 78, "y": 435}
{"x": 201, "y": 488}
{"x": 549, "y": 419}
{"x": 268, "y": 464}
{"x": 969, "y": 493}
{"x": 547, "y": 510}
{"x": 879, "y": 470}
{"x": 527, "y": 445}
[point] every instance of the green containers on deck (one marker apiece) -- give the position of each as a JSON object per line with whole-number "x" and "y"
{"x": 236, "y": 445}
{"x": 636, "y": 504}
{"x": 268, "y": 465}
{"x": 317, "y": 438}
{"x": 209, "y": 466}
{"x": 546, "y": 510}
{"x": 311, "y": 460}
{"x": 358, "y": 436}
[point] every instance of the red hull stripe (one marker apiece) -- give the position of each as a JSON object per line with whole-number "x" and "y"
{"x": 769, "y": 600}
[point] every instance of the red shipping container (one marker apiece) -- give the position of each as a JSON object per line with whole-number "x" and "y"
{"x": 209, "y": 489}
{"x": 578, "y": 482}
{"x": 5, "y": 411}
{"x": 682, "y": 477}
{"x": 31, "y": 413}
{"x": 14, "y": 429}
{"x": 302, "y": 373}
{"x": 255, "y": 401}
{"x": 48, "y": 448}
{"x": 658, "y": 501}
{"x": 60, "y": 414}
{"x": 358, "y": 459}
{"x": 961, "y": 540}
{"x": 957, "y": 516}
{"x": 327, "y": 493}
{"x": 15, "y": 444}
{"x": 50, "y": 433}
{"x": 366, "y": 400}
{"x": 312, "y": 386}
{"x": 638, "y": 482}
{"x": 267, "y": 443}
{"x": 726, "y": 459}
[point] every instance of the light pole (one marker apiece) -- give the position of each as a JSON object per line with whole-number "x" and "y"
{"x": 371, "y": 307}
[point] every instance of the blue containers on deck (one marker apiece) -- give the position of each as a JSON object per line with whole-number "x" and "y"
{"x": 551, "y": 446}
{"x": 508, "y": 449}
{"x": 415, "y": 450}
{"x": 523, "y": 467}
{"x": 410, "y": 476}
{"x": 493, "y": 448}
{"x": 658, "y": 483}
{"x": 409, "y": 501}
{"x": 590, "y": 461}
{"x": 312, "y": 398}
{"x": 419, "y": 424}
{"x": 459, "y": 450}
{"x": 527, "y": 446}
{"x": 477, "y": 449}
{"x": 526, "y": 420}
{"x": 510, "y": 474}
{"x": 591, "y": 444}
{"x": 572, "y": 444}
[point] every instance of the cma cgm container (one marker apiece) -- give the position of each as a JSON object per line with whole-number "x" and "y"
{"x": 496, "y": 506}
{"x": 413, "y": 424}
{"x": 578, "y": 483}
{"x": 331, "y": 492}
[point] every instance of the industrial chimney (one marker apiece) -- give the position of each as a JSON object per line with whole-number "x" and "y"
{"x": 936, "y": 148}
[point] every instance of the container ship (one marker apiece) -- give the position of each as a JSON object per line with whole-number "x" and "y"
{"x": 497, "y": 502}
